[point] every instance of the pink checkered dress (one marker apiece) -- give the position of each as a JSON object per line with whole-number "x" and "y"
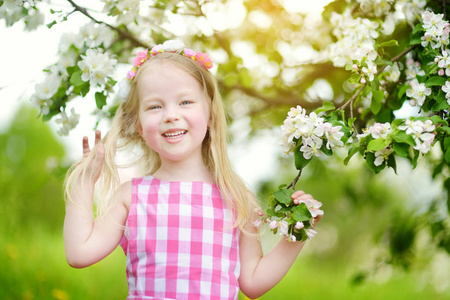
{"x": 180, "y": 242}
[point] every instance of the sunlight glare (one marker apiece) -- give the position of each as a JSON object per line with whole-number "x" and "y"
{"x": 305, "y": 6}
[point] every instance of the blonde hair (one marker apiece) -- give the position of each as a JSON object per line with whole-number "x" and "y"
{"x": 124, "y": 133}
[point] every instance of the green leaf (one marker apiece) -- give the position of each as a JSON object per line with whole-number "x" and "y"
{"x": 100, "y": 100}
{"x": 391, "y": 43}
{"x": 326, "y": 106}
{"x": 376, "y": 145}
{"x": 375, "y": 84}
{"x": 352, "y": 151}
{"x": 401, "y": 149}
{"x": 301, "y": 213}
{"x": 441, "y": 102}
{"x": 402, "y": 137}
{"x": 381, "y": 61}
{"x": 300, "y": 160}
{"x": 325, "y": 150}
{"x": 447, "y": 156}
{"x": 50, "y": 25}
{"x": 283, "y": 196}
{"x": 392, "y": 163}
{"x": 375, "y": 104}
{"x": 370, "y": 161}
{"x": 435, "y": 81}
{"x": 415, "y": 158}
{"x": 417, "y": 28}
{"x": 402, "y": 90}
{"x": 351, "y": 121}
{"x": 76, "y": 80}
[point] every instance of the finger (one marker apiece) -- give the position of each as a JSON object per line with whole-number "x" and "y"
{"x": 98, "y": 136}
{"x": 297, "y": 194}
{"x": 86, "y": 149}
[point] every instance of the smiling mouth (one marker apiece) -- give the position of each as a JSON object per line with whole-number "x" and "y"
{"x": 174, "y": 134}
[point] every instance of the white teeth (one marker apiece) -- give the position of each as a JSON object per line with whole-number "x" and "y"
{"x": 174, "y": 134}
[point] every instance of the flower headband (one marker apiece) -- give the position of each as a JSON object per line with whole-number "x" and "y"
{"x": 167, "y": 46}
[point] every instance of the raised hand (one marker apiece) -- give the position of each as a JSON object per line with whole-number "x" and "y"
{"x": 96, "y": 162}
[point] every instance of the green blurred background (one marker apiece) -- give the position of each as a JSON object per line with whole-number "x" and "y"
{"x": 371, "y": 243}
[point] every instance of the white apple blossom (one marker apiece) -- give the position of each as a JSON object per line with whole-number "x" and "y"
{"x": 311, "y": 131}
{"x": 273, "y": 224}
{"x": 124, "y": 88}
{"x": 34, "y": 19}
{"x": 392, "y": 73}
{"x": 67, "y": 122}
{"x": 418, "y": 92}
{"x": 42, "y": 104}
{"x": 311, "y": 147}
{"x": 446, "y": 89}
{"x": 411, "y": 9}
{"x": 413, "y": 69}
{"x": 96, "y": 67}
{"x": 422, "y": 132}
{"x": 379, "y": 130}
{"x": 94, "y": 35}
{"x": 412, "y": 127}
{"x": 311, "y": 233}
{"x": 313, "y": 207}
{"x": 382, "y": 155}
{"x": 47, "y": 88}
{"x": 283, "y": 228}
{"x": 69, "y": 39}
{"x": 370, "y": 71}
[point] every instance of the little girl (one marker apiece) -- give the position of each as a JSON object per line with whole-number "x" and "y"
{"x": 187, "y": 226}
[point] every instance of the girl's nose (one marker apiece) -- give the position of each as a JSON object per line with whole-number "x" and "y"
{"x": 171, "y": 116}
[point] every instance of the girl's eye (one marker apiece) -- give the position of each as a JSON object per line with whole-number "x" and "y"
{"x": 153, "y": 107}
{"x": 185, "y": 102}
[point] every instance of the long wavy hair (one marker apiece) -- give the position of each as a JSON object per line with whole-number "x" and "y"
{"x": 124, "y": 134}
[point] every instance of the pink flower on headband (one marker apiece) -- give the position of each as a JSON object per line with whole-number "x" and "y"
{"x": 204, "y": 59}
{"x": 189, "y": 53}
{"x": 140, "y": 58}
{"x": 131, "y": 74}
{"x": 156, "y": 50}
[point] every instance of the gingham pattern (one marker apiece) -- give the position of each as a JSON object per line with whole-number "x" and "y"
{"x": 180, "y": 242}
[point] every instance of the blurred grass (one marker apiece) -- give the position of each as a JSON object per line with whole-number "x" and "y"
{"x": 351, "y": 239}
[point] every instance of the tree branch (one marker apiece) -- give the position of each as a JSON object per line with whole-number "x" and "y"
{"x": 123, "y": 33}
{"x": 294, "y": 182}
{"x": 396, "y": 58}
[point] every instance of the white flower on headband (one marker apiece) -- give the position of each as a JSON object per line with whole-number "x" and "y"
{"x": 172, "y": 45}
{"x": 124, "y": 88}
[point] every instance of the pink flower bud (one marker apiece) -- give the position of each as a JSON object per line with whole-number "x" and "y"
{"x": 299, "y": 225}
{"x": 363, "y": 80}
{"x": 131, "y": 74}
{"x": 257, "y": 223}
{"x": 441, "y": 72}
{"x": 189, "y": 53}
{"x": 355, "y": 67}
{"x": 273, "y": 224}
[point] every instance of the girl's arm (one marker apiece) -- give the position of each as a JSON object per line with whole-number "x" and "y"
{"x": 88, "y": 240}
{"x": 259, "y": 272}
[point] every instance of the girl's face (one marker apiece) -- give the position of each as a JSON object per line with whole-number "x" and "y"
{"x": 173, "y": 112}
